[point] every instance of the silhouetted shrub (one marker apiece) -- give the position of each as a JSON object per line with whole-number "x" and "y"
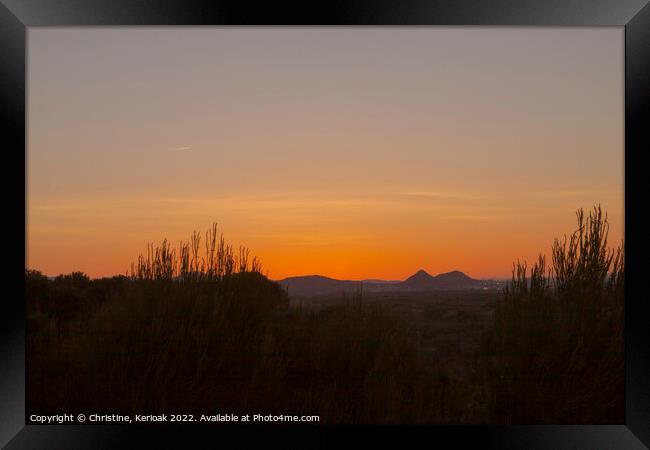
{"x": 206, "y": 332}
{"x": 555, "y": 353}
{"x": 210, "y": 334}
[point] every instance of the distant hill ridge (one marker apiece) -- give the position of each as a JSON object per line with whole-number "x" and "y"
{"x": 455, "y": 279}
{"x": 310, "y": 285}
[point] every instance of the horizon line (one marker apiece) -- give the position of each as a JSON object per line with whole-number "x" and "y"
{"x": 368, "y": 278}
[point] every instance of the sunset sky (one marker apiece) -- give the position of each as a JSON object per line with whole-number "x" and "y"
{"x": 347, "y": 152}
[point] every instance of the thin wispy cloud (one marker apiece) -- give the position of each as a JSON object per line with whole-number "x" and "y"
{"x": 181, "y": 148}
{"x": 54, "y": 207}
{"x": 440, "y": 194}
{"x": 474, "y": 217}
{"x": 561, "y": 194}
{"x": 189, "y": 200}
{"x": 317, "y": 203}
{"x": 327, "y": 239}
{"x": 256, "y": 202}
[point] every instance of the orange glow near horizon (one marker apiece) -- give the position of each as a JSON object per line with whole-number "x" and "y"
{"x": 347, "y": 239}
{"x": 346, "y": 153}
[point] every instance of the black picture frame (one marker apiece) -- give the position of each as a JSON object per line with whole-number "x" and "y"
{"x": 17, "y": 15}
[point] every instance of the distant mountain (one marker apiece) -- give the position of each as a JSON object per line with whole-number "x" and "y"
{"x": 312, "y": 285}
{"x": 375, "y": 281}
{"x": 422, "y": 281}
{"x": 317, "y": 285}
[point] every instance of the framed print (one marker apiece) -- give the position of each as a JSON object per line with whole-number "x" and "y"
{"x": 335, "y": 222}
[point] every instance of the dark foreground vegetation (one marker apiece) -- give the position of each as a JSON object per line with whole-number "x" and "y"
{"x": 555, "y": 351}
{"x": 200, "y": 330}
